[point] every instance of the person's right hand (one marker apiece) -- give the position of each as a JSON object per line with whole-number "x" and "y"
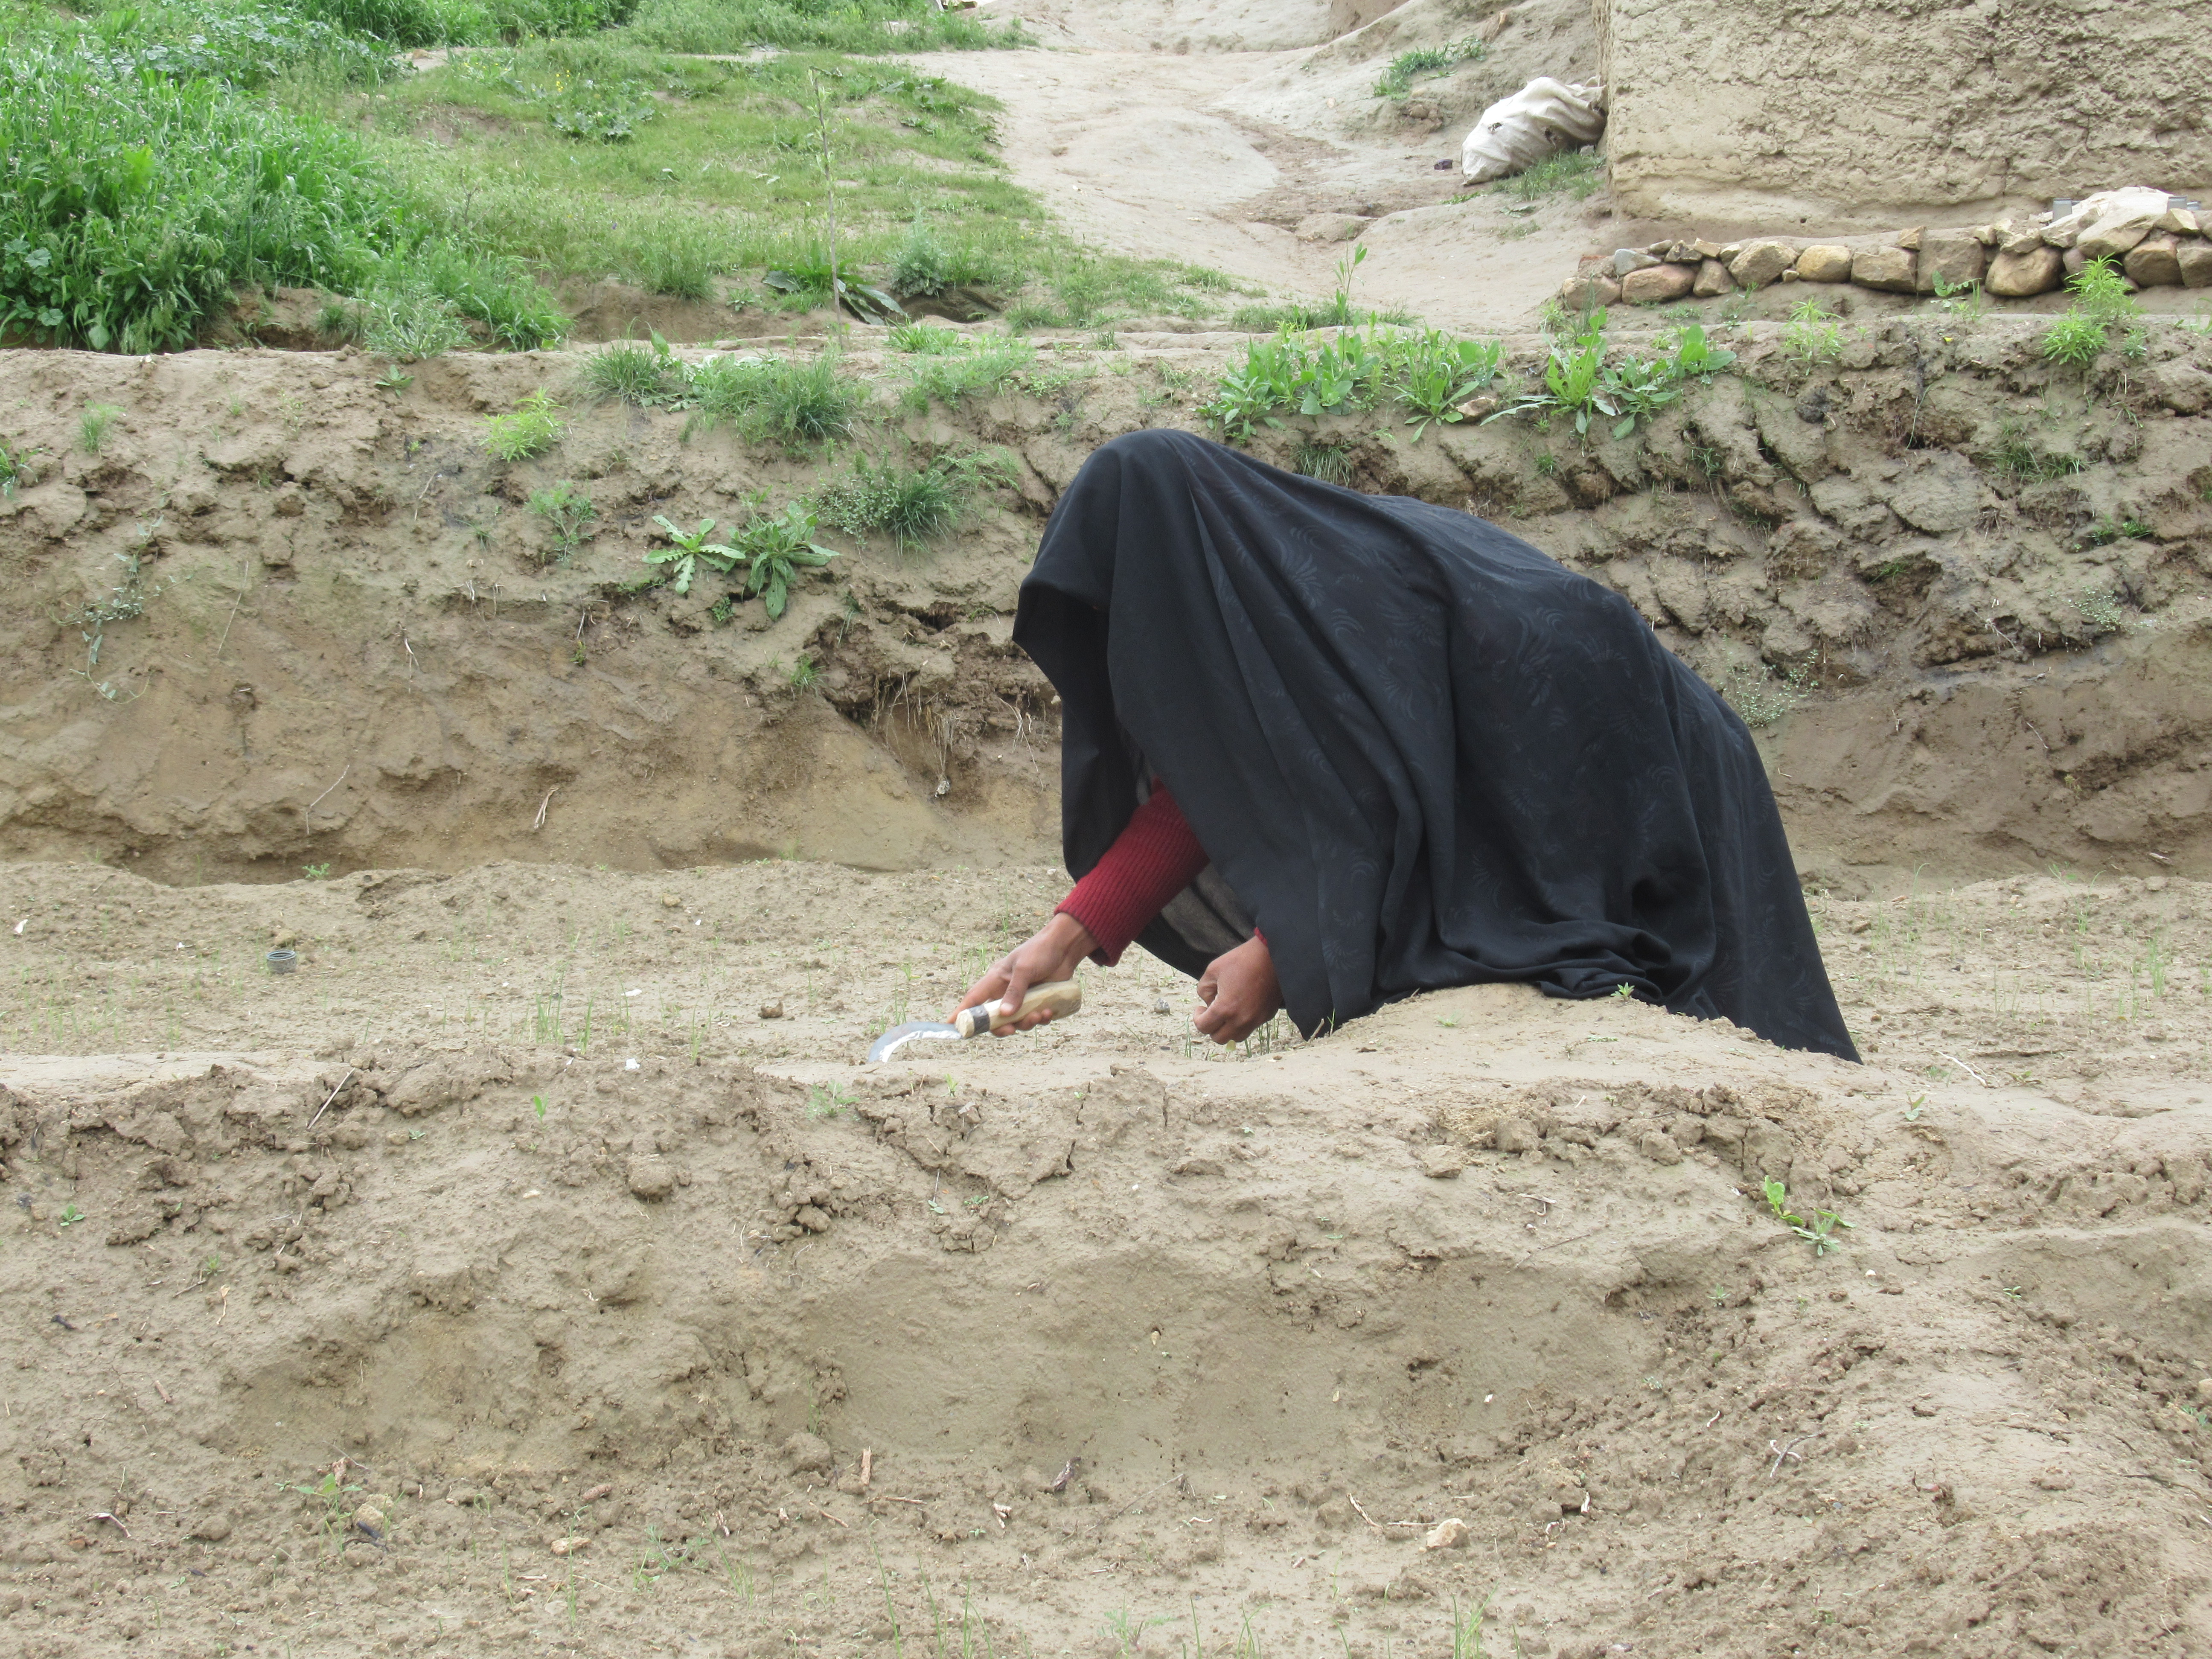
{"x": 1053, "y": 953}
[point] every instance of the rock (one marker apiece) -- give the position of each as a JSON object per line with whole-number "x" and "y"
{"x": 1825, "y": 262}
{"x": 1988, "y": 235}
{"x": 1713, "y": 280}
{"x": 1660, "y": 1149}
{"x": 1514, "y": 1134}
{"x": 2203, "y": 1395}
{"x": 1893, "y": 270}
{"x": 772, "y": 1009}
{"x": 2154, "y": 262}
{"x": 1655, "y": 285}
{"x": 1447, "y": 1534}
{"x": 2195, "y": 260}
{"x": 1331, "y": 227}
{"x": 370, "y": 1518}
{"x": 1587, "y": 293}
{"x": 211, "y": 1529}
{"x": 652, "y": 1177}
{"x": 2035, "y": 269}
{"x": 2116, "y": 219}
{"x": 1909, "y": 241}
{"x": 2022, "y": 238}
{"x": 1941, "y": 495}
{"x": 670, "y": 901}
{"x": 2181, "y": 222}
{"x": 806, "y": 1454}
{"x": 2073, "y": 259}
{"x": 1442, "y": 1162}
{"x": 567, "y": 1546}
{"x": 1761, "y": 262}
{"x": 1627, "y": 260}
{"x": 1706, "y": 249}
{"x": 1952, "y": 255}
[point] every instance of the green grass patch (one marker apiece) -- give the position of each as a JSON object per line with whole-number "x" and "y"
{"x": 859, "y": 27}
{"x": 911, "y": 504}
{"x": 1423, "y": 61}
{"x": 978, "y": 368}
{"x": 1425, "y": 373}
{"x": 797, "y": 403}
{"x": 1571, "y": 171}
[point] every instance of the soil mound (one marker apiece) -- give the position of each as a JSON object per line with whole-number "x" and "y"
{"x": 630, "y": 1331}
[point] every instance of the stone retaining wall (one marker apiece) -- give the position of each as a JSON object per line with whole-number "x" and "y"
{"x": 2157, "y": 241}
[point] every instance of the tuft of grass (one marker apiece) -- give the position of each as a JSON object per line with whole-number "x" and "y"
{"x": 922, "y": 339}
{"x": 533, "y": 426}
{"x": 1330, "y": 463}
{"x": 854, "y": 26}
{"x": 976, "y": 367}
{"x": 631, "y": 372}
{"x": 92, "y": 426}
{"x": 17, "y": 469}
{"x": 777, "y": 399}
{"x": 1397, "y": 79}
{"x": 1571, "y": 171}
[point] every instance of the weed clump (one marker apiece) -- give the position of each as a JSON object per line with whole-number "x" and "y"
{"x": 2101, "y": 301}
{"x": 568, "y": 512}
{"x": 912, "y": 505}
{"x": 530, "y": 429}
{"x": 776, "y": 399}
{"x": 629, "y": 371}
{"x": 1424, "y": 371}
{"x": 1574, "y": 171}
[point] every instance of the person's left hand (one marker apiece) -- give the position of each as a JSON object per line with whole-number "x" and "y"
{"x": 1240, "y": 993}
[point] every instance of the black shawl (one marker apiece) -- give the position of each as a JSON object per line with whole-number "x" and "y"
{"x": 1422, "y": 753}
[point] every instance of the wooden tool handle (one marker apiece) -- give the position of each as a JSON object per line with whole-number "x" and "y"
{"x": 1060, "y": 998}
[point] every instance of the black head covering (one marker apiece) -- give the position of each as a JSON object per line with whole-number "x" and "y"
{"x": 1421, "y": 752}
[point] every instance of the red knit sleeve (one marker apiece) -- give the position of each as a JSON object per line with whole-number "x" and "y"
{"x": 1154, "y": 858}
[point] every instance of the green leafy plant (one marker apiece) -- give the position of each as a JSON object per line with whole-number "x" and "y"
{"x": 688, "y": 549}
{"x": 1819, "y": 1231}
{"x": 1813, "y": 334}
{"x": 70, "y": 1215}
{"x": 825, "y": 1100}
{"x": 316, "y": 871}
{"x": 2101, "y": 301}
{"x": 1426, "y": 372}
{"x": 1397, "y": 79}
{"x": 533, "y": 426}
{"x": 92, "y": 426}
{"x": 912, "y": 504}
{"x": 568, "y": 512}
{"x": 776, "y": 548}
{"x": 1964, "y": 300}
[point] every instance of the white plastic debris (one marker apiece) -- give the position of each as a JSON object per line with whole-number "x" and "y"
{"x": 1538, "y": 122}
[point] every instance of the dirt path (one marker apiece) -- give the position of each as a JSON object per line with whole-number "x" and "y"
{"x": 1218, "y": 154}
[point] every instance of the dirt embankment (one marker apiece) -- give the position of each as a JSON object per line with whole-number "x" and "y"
{"x": 503, "y": 1277}
{"x": 286, "y": 616}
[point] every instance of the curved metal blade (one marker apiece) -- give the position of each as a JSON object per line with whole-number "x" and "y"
{"x": 899, "y": 1036}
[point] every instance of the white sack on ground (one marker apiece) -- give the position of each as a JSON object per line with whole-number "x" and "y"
{"x": 1541, "y": 119}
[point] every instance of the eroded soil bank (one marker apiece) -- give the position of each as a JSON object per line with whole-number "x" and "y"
{"x": 288, "y": 616}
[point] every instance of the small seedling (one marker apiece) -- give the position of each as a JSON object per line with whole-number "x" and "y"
{"x": 315, "y": 871}
{"x": 1813, "y": 333}
{"x": 688, "y": 548}
{"x": 568, "y": 512}
{"x": 1819, "y": 1231}
{"x": 1914, "y": 1107}
{"x": 827, "y": 1100}
{"x": 538, "y": 1101}
{"x": 15, "y": 472}
{"x": 71, "y": 1215}
{"x": 1624, "y": 990}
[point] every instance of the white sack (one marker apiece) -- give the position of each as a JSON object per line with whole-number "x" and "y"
{"x": 1541, "y": 119}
